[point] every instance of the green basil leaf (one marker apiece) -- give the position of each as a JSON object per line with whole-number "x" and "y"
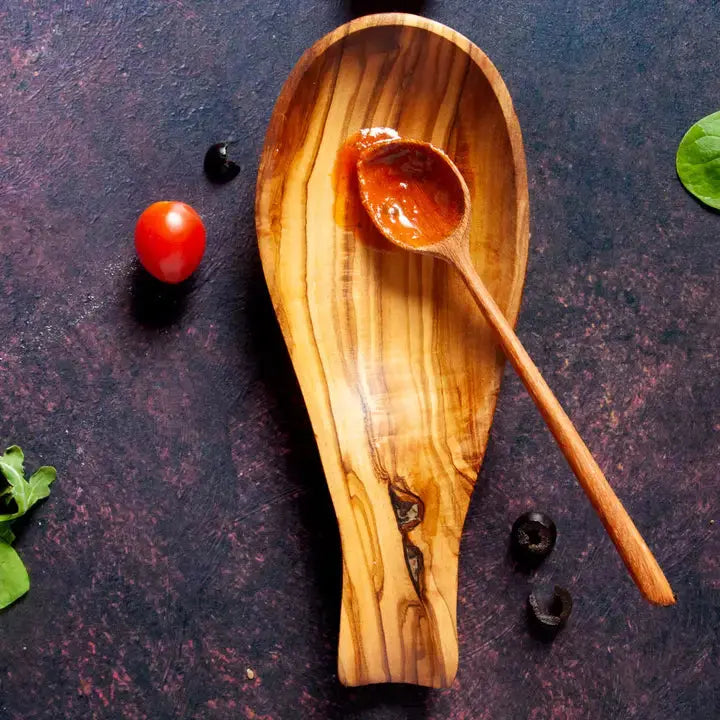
{"x": 698, "y": 160}
{"x": 14, "y": 580}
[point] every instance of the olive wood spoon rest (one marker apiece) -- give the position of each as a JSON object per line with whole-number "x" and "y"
{"x": 399, "y": 373}
{"x": 419, "y": 200}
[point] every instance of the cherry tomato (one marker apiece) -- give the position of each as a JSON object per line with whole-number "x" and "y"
{"x": 170, "y": 240}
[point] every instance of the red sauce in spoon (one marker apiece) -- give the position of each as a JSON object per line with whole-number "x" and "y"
{"x": 411, "y": 193}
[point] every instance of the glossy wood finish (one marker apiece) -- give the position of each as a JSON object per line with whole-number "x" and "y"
{"x": 399, "y": 374}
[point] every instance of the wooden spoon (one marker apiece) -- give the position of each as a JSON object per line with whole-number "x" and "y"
{"x": 399, "y": 374}
{"x": 419, "y": 200}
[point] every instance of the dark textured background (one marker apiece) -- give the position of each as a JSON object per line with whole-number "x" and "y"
{"x": 190, "y": 533}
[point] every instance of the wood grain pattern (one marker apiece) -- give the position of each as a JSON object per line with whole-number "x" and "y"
{"x": 399, "y": 374}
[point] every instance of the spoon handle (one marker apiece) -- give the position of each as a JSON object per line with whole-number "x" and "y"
{"x": 636, "y": 555}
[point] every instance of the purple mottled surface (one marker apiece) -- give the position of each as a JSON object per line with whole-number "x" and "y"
{"x": 190, "y": 535}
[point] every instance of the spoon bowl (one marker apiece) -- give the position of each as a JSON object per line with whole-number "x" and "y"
{"x": 414, "y": 193}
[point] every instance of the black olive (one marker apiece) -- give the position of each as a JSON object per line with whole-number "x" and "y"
{"x": 218, "y": 167}
{"x": 532, "y": 538}
{"x": 549, "y": 608}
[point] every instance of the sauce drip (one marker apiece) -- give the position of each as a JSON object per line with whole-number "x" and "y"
{"x": 411, "y": 193}
{"x": 348, "y": 210}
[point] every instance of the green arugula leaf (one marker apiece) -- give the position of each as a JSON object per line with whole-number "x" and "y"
{"x": 14, "y": 580}
{"x": 6, "y": 533}
{"x": 25, "y": 493}
{"x": 698, "y": 160}
{"x": 11, "y": 465}
{"x": 14, "y": 458}
{"x": 39, "y": 484}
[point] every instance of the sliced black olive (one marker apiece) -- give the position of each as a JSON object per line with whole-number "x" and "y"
{"x": 549, "y": 608}
{"x": 532, "y": 538}
{"x": 218, "y": 166}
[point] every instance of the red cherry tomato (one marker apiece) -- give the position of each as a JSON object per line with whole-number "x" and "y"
{"x": 170, "y": 240}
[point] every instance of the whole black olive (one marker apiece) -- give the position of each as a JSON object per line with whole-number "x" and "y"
{"x": 532, "y": 538}
{"x": 217, "y": 164}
